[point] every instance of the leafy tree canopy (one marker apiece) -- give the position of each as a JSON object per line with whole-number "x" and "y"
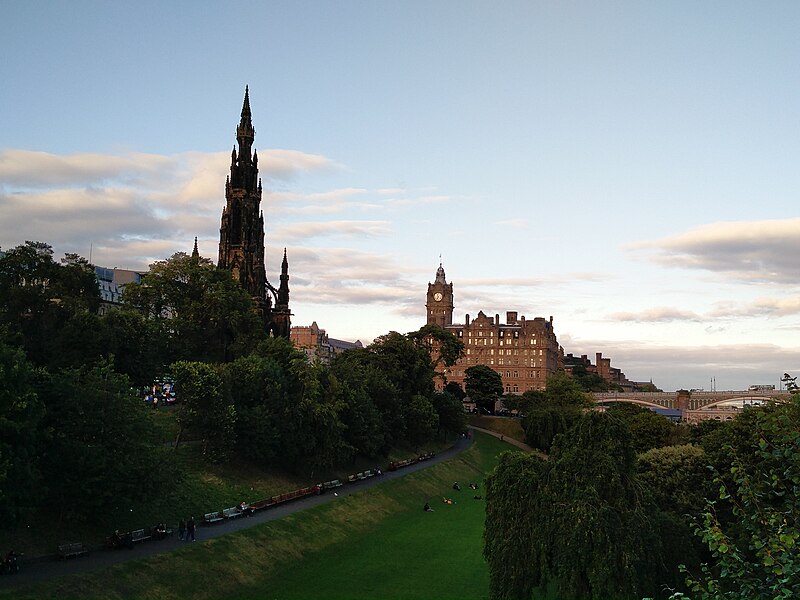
{"x": 484, "y": 386}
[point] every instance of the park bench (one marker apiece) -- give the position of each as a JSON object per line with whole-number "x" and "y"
{"x": 329, "y": 485}
{"x": 139, "y": 535}
{"x": 212, "y": 517}
{"x": 232, "y": 513}
{"x": 72, "y": 549}
{"x": 266, "y": 502}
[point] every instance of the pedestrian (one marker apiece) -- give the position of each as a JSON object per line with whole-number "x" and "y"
{"x": 181, "y": 530}
{"x": 190, "y": 529}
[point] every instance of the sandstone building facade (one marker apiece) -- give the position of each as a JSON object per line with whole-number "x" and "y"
{"x": 317, "y": 345}
{"x": 525, "y": 352}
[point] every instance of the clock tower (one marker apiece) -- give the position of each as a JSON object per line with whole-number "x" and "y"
{"x": 439, "y": 303}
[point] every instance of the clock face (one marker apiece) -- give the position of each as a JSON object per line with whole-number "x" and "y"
{"x": 437, "y": 296}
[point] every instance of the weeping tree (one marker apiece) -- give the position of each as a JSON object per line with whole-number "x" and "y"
{"x": 576, "y": 523}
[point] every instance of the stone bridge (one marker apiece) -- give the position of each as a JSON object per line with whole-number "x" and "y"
{"x": 696, "y": 405}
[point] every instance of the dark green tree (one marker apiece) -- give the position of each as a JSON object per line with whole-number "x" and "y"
{"x": 753, "y": 529}
{"x": 444, "y": 348}
{"x": 589, "y": 382}
{"x": 647, "y": 428}
{"x": 135, "y": 343}
{"x": 21, "y": 414}
{"x": 204, "y": 410}
{"x": 210, "y": 317}
{"x": 604, "y": 542}
{"x": 50, "y": 308}
{"x": 406, "y": 365}
{"x": 484, "y": 386}
{"x": 454, "y": 389}
{"x": 513, "y": 498}
{"x": 421, "y": 420}
{"x": 584, "y": 526}
{"x": 450, "y": 411}
{"x": 100, "y": 455}
{"x": 553, "y": 410}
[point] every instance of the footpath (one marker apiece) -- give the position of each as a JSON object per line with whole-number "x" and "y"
{"x": 43, "y": 569}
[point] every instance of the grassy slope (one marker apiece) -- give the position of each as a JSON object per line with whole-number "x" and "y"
{"x": 505, "y": 425}
{"x": 373, "y": 544}
{"x": 203, "y": 488}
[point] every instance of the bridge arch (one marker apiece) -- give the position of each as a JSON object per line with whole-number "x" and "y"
{"x": 637, "y": 401}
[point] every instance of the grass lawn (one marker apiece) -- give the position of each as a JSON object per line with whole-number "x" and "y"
{"x": 373, "y": 544}
{"x": 508, "y": 426}
{"x": 198, "y": 488}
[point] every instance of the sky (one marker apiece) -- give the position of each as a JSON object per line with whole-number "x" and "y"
{"x": 629, "y": 168}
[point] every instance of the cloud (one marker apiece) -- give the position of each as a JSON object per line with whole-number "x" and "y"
{"x": 534, "y": 281}
{"x": 287, "y": 164}
{"x": 520, "y": 223}
{"x": 663, "y": 314}
{"x": 761, "y": 307}
{"x": 758, "y": 251}
{"x": 28, "y": 169}
{"x": 129, "y": 208}
{"x": 316, "y": 229}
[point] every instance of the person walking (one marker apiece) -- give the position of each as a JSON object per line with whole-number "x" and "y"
{"x": 190, "y": 526}
{"x": 181, "y": 530}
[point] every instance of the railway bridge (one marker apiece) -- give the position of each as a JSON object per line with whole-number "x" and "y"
{"x": 696, "y": 405}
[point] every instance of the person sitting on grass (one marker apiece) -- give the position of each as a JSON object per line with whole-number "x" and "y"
{"x": 474, "y": 486}
{"x": 448, "y": 500}
{"x": 428, "y": 508}
{"x": 456, "y": 486}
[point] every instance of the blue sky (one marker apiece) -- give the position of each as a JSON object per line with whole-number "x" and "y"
{"x": 629, "y": 168}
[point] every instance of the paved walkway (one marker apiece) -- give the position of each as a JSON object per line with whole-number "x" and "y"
{"x": 36, "y": 571}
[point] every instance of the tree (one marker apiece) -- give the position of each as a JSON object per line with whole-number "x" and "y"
{"x": 135, "y": 344}
{"x": 450, "y": 411}
{"x": 677, "y": 479}
{"x": 50, "y": 308}
{"x": 210, "y": 316}
{"x": 647, "y": 428}
{"x": 421, "y": 420}
{"x": 484, "y": 386}
{"x": 578, "y": 521}
{"x": 513, "y": 497}
{"x": 21, "y": 413}
{"x": 455, "y": 390}
{"x": 553, "y": 410}
{"x": 100, "y": 455}
{"x": 755, "y": 552}
{"x": 590, "y": 382}
{"x": 443, "y": 346}
{"x": 405, "y": 364}
{"x": 204, "y": 409}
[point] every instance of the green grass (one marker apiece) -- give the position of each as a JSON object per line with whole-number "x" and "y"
{"x": 199, "y": 488}
{"x": 507, "y": 426}
{"x": 373, "y": 544}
